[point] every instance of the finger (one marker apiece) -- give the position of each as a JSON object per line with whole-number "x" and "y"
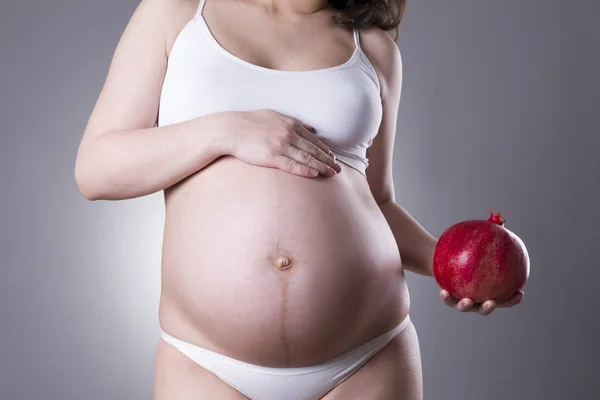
{"x": 448, "y": 299}
{"x": 484, "y": 308}
{"x": 325, "y": 154}
{"x": 309, "y": 133}
{"x": 307, "y": 159}
{"x": 513, "y": 301}
{"x": 462, "y": 305}
{"x": 310, "y": 148}
{"x": 292, "y": 166}
{"x": 310, "y": 143}
{"x": 465, "y": 305}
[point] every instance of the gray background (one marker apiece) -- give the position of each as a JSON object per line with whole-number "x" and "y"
{"x": 499, "y": 109}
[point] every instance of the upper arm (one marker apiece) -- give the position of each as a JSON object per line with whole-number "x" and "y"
{"x": 129, "y": 98}
{"x": 385, "y": 56}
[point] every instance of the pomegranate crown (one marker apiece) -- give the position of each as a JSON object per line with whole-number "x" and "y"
{"x": 496, "y": 218}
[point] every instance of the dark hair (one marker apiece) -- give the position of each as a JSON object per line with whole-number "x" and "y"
{"x": 386, "y": 14}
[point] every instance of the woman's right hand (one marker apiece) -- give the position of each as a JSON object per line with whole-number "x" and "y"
{"x": 268, "y": 138}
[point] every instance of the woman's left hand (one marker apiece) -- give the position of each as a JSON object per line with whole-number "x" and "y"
{"x": 485, "y": 308}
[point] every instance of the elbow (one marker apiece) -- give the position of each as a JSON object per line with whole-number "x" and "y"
{"x": 383, "y": 202}
{"x": 85, "y": 182}
{"x": 90, "y": 174}
{"x": 86, "y": 187}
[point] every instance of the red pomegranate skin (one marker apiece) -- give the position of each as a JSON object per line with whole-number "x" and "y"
{"x": 481, "y": 260}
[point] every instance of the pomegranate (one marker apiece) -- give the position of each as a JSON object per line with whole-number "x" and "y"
{"x": 481, "y": 260}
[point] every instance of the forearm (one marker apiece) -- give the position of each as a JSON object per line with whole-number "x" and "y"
{"x": 133, "y": 163}
{"x": 415, "y": 243}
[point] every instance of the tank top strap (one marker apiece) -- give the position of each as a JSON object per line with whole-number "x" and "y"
{"x": 200, "y": 8}
{"x": 356, "y": 37}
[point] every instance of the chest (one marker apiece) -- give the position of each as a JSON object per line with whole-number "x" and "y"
{"x": 341, "y": 102}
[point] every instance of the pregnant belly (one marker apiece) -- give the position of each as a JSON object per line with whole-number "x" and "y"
{"x": 277, "y": 269}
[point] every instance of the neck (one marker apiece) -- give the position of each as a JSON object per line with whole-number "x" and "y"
{"x": 294, "y": 6}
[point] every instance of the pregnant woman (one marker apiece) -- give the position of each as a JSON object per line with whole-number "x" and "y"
{"x": 270, "y": 125}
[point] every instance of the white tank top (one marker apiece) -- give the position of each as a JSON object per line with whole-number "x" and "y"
{"x": 343, "y": 102}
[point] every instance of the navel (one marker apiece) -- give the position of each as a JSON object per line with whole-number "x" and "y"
{"x": 283, "y": 262}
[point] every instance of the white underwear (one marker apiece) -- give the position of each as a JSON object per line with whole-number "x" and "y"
{"x": 298, "y": 383}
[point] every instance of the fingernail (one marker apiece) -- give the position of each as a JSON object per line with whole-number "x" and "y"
{"x": 338, "y": 167}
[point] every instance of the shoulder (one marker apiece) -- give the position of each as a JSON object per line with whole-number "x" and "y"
{"x": 171, "y": 16}
{"x": 164, "y": 13}
{"x": 384, "y": 54}
{"x": 168, "y": 17}
{"x": 169, "y": 5}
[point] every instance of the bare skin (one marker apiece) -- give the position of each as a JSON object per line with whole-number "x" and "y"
{"x": 269, "y": 266}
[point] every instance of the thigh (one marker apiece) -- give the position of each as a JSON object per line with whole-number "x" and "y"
{"x": 394, "y": 373}
{"x": 177, "y": 377}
